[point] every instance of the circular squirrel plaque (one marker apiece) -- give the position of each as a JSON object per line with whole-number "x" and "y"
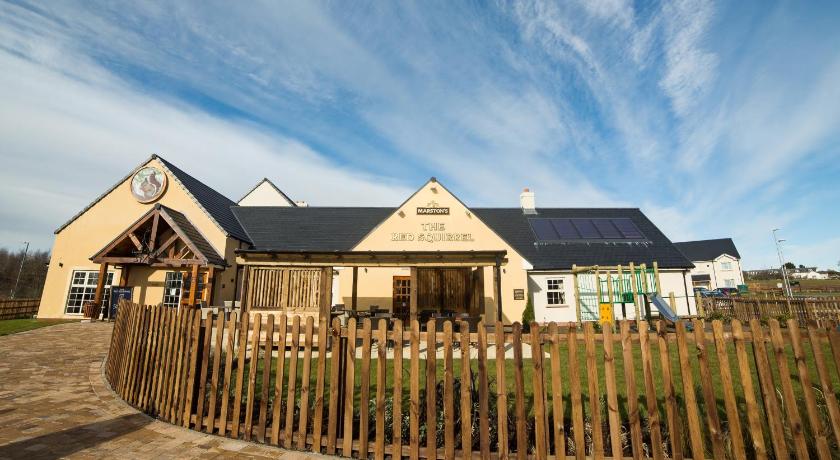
{"x": 148, "y": 184}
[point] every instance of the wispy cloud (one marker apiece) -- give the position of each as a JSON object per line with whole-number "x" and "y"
{"x": 687, "y": 108}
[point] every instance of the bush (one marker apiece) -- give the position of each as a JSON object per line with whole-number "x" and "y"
{"x": 528, "y": 315}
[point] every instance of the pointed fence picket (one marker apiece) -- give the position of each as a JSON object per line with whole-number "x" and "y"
{"x": 388, "y": 389}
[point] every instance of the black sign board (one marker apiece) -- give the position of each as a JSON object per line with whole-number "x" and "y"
{"x": 118, "y": 293}
{"x": 519, "y": 294}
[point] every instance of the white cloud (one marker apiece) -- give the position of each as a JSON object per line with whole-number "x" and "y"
{"x": 68, "y": 140}
{"x": 690, "y": 68}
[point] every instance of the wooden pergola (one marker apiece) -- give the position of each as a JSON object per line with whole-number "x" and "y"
{"x": 161, "y": 238}
{"x": 414, "y": 260}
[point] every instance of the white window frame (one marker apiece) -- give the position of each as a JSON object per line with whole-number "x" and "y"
{"x": 182, "y": 288}
{"x": 726, "y": 265}
{"x": 168, "y": 295}
{"x": 729, "y": 282}
{"x": 555, "y": 292}
{"x": 83, "y": 289}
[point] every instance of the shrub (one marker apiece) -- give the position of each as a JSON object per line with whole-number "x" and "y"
{"x": 528, "y": 315}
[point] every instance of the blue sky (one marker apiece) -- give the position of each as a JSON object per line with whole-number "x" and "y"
{"x": 716, "y": 119}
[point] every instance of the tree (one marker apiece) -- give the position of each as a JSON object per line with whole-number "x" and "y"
{"x": 32, "y": 275}
{"x": 790, "y": 266}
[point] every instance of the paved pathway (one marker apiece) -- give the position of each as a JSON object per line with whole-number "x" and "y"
{"x": 54, "y": 404}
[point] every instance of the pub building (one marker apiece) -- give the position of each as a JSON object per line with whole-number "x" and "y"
{"x": 161, "y": 236}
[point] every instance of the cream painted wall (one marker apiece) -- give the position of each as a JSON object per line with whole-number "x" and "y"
{"x": 717, "y": 273}
{"x": 404, "y": 229}
{"x": 94, "y": 229}
{"x": 264, "y": 195}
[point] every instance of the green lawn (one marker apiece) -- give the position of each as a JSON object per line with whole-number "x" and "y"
{"x": 621, "y": 376}
{"x": 12, "y": 326}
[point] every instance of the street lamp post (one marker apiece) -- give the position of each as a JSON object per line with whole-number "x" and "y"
{"x": 20, "y": 269}
{"x": 785, "y": 281}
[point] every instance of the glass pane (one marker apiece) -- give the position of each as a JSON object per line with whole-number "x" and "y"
{"x": 586, "y": 228}
{"x": 606, "y": 228}
{"x": 565, "y": 230}
{"x": 543, "y": 229}
{"x": 627, "y": 228}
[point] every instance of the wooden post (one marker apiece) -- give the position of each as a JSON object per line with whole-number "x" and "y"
{"x": 656, "y": 277}
{"x": 635, "y": 290}
{"x": 326, "y": 292}
{"x": 598, "y": 288}
{"x": 100, "y": 286}
{"x": 243, "y": 294}
{"x": 701, "y": 309}
{"x": 207, "y": 295}
{"x": 124, "y": 275}
{"x": 412, "y": 305}
{"x": 355, "y": 296}
{"x": 611, "y": 298}
{"x": 577, "y": 292}
{"x": 497, "y": 278}
{"x": 645, "y": 288}
{"x": 193, "y": 285}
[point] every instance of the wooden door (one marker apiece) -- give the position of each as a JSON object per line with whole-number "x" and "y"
{"x": 401, "y": 301}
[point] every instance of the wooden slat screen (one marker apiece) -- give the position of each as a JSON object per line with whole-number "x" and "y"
{"x": 288, "y": 289}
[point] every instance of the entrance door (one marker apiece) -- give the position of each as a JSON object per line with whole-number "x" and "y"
{"x": 401, "y": 301}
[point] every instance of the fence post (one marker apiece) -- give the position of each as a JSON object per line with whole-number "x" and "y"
{"x": 701, "y": 309}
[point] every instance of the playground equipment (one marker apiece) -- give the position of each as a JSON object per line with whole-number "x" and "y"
{"x": 606, "y": 293}
{"x": 665, "y": 310}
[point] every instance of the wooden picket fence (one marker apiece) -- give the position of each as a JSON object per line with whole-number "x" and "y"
{"x": 496, "y": 392}
{"x": 19, "y": 308}
{"x": 803, "y": 309}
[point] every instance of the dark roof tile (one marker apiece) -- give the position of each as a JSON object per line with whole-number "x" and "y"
{"x": 707, "y": 250}
{"x": 216, "y": 204}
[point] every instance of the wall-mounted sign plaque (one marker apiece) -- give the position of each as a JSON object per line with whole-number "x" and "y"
{"x": 148, "y": 184}
{"x": 432, "y": 209}
{"x": 519, "y": 294}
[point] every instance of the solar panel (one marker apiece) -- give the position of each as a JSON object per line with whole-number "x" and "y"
{"x": 543, "y": 229}
{"x": 627, "y": 228}
{"x": 587, "y": 229}
{"x": 565, "y": 230}
{"x": 606, "y": 229}
{"x": 562, "y": 229}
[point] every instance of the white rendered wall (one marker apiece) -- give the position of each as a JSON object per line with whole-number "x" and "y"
{"x": 264, "y": 195}
{"x": 717, "y": 274}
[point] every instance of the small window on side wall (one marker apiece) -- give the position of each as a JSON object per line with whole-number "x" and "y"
{"x": 555, "y": 292}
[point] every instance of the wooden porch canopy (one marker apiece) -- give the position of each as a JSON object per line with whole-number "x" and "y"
{"x": 161, "y": 238}
{"x": 356, "y": 259}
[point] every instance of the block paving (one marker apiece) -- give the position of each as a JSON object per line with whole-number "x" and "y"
{"x": 55, "y": 403}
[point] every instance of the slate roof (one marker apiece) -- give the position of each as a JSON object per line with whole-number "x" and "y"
{"x": 216, "y": 205}
{"x": 213, "y": 202}
{"x": 707, "y": 250}
{"x": 195, "y": 236}
{"x": 512, "y": 226}
{"x": 341, "y": 228}
{"x": 308, "y": 228}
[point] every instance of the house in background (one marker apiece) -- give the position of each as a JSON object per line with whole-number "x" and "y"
{"x": 810, "y": 273}
{"x": 717, "y": 263}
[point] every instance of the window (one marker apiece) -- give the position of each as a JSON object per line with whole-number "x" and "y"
{"x": 555, "y": 293}
{"x": 726, "y": 265}
{"x": 172, "y": 289}
{"x": 83, "y": 290}
{"x": 729, "y": 282}
{"x": 177, "y": 287}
